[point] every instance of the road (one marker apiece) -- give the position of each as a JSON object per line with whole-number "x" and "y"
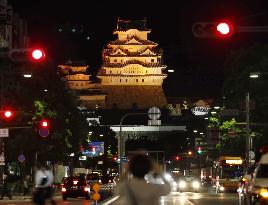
{"x": 175, "y": 198}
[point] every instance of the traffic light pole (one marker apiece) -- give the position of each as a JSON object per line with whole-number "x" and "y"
{"x": 121, "y": 142}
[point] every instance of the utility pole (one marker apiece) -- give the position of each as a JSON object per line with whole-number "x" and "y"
{"x": 248, "y": 137}
{"x": 121, "y": 142}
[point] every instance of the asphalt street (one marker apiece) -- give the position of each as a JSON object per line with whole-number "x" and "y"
{"x": 174, "y": 198}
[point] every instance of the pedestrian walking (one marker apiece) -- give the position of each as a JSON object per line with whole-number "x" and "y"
{"x": 6, "y": 189}
{"x": 26, "y": 186}
{"x": 41, "y": 180}
{"x": 49, "y": 187}
{"x": 135, "y": 189}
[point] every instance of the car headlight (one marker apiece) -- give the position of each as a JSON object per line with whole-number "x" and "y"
{"x": 196, "y": 184}
{"x": 263, "y": 192}
{"x": 221, "y": 188}
{"x": 182, "y": 184}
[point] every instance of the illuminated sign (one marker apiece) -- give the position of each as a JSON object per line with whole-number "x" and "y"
{"x": 200, "y": 111}
{"x": 234, "y": 161}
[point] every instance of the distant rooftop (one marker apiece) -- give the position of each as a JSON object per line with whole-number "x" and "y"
{"x": 124, "y": 25}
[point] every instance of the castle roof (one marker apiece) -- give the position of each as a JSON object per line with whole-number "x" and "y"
{"x": 124, "y": 25}
{"x": 121, "y": 75}
{"x": 132, "y": 41}
{"x": 120, "y": 65}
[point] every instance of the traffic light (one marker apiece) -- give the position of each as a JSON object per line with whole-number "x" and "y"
{"x": 44, "y": 128}
{"x": 220, "y": 29}
{"x": 199, "y": 150}
{"x": 44, "y": 124}
{"x": 7, "y": 115}
{"x": 178, "y": 158}
{"x": 27, "y": 55}
{"x": 189, "y": 153}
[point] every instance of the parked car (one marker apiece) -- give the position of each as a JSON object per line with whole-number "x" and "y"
{"x": 75, "y": 187}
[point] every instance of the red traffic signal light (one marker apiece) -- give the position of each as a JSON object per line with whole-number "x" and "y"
{"x": 221, "y": 29}
{"x": 178, "y": 158}
{"x": 44, "y": 124}
{"x": 93, "y": 149}
{"x": 38, "y": 54}
{"x": 8, "y": 114}
{"x": 27, "y": 55}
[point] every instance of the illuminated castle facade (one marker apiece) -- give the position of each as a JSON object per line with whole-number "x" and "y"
{"x": 132, "y": 70}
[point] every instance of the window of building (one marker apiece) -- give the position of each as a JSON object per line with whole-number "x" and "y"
{"x": 143, "y": 80}
{"x": 153, "y": 80}
{"x": 120, "y": 80}
{"x": 110, "y": 71}
{"x": 126, "y": 80}
{"x": 152, "y": 60}
{"x": 118, "y": 52}
{"x": 137, "y": 80}
{"x": 115, "y": 60}
{"x": 146, "y": 71}
{"x": 76, "y": 85}
{"x": 81, "y": 85}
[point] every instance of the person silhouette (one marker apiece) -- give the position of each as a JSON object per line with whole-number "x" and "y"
{"x": 134, "y": 189}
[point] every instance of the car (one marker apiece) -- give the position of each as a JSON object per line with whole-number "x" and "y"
{"x": 75, "y": 186}
{"x": 189, "y": 183}
{"x": 256, "y": 190}
{"x": 107, "y": 182}
{"x": 92, "y": 178}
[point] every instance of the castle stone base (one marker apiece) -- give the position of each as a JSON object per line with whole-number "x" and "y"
{"x": 129, "y": 97}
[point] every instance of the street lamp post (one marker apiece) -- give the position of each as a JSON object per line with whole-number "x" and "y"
{"x": 248, "y": 137}
{"x": 121, "y": 141}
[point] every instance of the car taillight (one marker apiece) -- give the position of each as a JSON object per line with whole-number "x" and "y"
{"x": 110, "y": 180}
{"x": 63, "y": 189}
{"x": 75, "y": 182}
{"x": 87, "y": 189}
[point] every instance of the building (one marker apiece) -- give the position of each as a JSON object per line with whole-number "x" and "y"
{"x": 13, "y": 29}
{"x": 132, "y": 70}
{"x": 76, "y": 76}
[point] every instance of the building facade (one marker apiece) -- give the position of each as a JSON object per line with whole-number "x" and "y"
{"x": 76, "y": 77}
{"x": 13, "y": 29}
{"x": 132, "y": 70}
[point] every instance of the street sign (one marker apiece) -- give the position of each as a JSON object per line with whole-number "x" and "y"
{"x": 154, "y": 113}
{"x": 21, "y": 158}
{"x": 251, "y": 155}
{"x": 43, "y": 132}
{"x": 2, "y": 159}
{"x": 4, "y": 132}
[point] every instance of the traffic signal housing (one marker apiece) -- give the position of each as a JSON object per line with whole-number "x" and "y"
{"x": 220, "y": 29}
{"x": 7, "y": 115}
{"x": 199, "y": 150}
{"x": 27, "y": 55}
{"x": 44, "y": 128}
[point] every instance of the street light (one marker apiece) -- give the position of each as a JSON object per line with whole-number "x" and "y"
{"x": 254, "y": 75}
{"x": 257, "y": 74}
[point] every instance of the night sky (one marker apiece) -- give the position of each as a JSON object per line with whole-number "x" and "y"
{"x": 198, "y": 63}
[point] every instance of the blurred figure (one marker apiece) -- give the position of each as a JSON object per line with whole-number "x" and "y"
{"x": 137, "y": 190}
{"x": 6, "y": 189}
{"x": 43, "y": 185}
{"x": 49, "y": 185}
{"x": 26, "y": 187}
